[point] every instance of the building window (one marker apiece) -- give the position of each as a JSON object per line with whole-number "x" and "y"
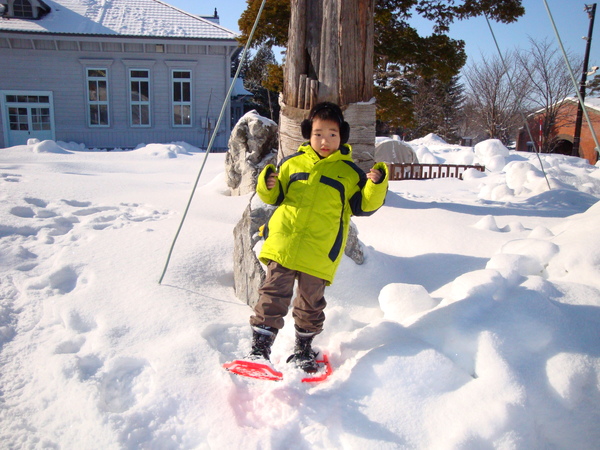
{"x": 17, "y": 118}
{"x": 23, "y": 9}
{"x": 97, "y": 82}
{"x": 182, "y": 98}
{"x": 139, "y": 97}
{"x": 40, "y": 119}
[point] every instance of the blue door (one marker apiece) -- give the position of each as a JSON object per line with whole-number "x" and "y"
{"x": 27, "y": 115}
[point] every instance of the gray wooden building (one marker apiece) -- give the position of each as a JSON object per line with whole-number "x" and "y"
{"x": 112, "y": 74}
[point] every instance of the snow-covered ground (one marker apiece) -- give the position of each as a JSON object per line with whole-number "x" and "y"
{"x": 474, "y": 322}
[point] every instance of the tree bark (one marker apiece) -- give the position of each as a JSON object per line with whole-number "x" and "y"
{"x": 330, "y": 58}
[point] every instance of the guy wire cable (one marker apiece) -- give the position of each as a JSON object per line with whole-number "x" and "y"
{"x": 583, "y": 107}
{"x": 512, "y": 87}
{"x": 212, "y": 138}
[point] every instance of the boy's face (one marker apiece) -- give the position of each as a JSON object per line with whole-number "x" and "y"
{"x": 325, "y": 137}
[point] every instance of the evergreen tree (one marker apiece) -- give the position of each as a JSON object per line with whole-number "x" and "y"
{"x": 255, "y": 73}
{"x": 452, "y": 105}
{"x": 436, "y": 109}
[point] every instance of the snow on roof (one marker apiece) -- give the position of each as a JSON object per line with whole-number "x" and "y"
{"x": 239, "y": 89}
{"x": 148, "y": 18}
{"x": 590, "y": 102}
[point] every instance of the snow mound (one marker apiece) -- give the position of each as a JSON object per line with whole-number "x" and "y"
{"x": 571, "y": 375}
{"x": 425, "y": 156}
{"x": 577, "y": 254}
{"x": 487, "y": 223}
{"x": 479, "y": 283}
{"x": 515, "y": 267}
{"x": 430, "y": 139}
{"x": 48, "y": 146}
{"x": 491, "y": 153}
{"x": 524, "y": 178}
{"x": 72, "y": 146}
{"x": 163, "y": 151}
{"x": 399, "y": 301}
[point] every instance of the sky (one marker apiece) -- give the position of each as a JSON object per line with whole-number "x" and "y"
{"x": 568, "y": 15}
{"x": 437, "y": 341}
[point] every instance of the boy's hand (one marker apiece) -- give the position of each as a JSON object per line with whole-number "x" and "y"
{"x": 272, "y": 180}
{"x": 374, "y": 175}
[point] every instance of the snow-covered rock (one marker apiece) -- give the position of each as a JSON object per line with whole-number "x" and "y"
{"x": 252, "y": 145}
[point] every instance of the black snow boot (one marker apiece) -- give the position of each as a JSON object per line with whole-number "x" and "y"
{"x": 304, "y": 356}
{"x": 262, "y": 340}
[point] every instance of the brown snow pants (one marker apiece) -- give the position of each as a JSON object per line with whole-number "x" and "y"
{"x": 275, "y": 296}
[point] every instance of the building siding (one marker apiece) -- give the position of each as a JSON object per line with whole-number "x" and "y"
{"x": 31, "y": 63}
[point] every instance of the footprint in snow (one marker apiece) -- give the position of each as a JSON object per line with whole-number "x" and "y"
{"x": 10, "y": 177}
{"x": 70, "y": 346}
{"x": 55, "y": 220}
{"x": 36, "y": 202}
{"x": 24, "y": 212}
{"x": 61, "y": 281}
{"x": 228, "y": 340}
{"x": 124, "y": 384}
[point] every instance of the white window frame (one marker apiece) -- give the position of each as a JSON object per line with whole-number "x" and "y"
{"x": 97, "y": 64}
{"x": 182, "y": 103}
{"x": 139, "y": 103}
{"x": 140, "y": 64}
{"x": 97, "y": 103}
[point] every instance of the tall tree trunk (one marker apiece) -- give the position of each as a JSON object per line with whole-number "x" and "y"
{"x": 330, "y": 58}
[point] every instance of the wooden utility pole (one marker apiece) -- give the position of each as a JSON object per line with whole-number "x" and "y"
{"x": 330, "y": 58}
{"x": 591, "y": 10}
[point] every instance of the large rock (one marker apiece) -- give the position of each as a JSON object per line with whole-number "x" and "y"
{"x": 353, "y": 246}
{"x": 248, "y": 273}
{"x": 252, "y": 145}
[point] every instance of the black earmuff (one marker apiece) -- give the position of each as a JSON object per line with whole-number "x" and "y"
{"x": 344, "y": 132}
{"x": 306, "y": 128}
{"x": 306, "y": 124}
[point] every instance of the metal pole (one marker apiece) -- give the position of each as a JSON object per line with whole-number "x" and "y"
{"x": 568, "y": 64}
{"x": 212, "y": 139}
{"x": 591, "y": 10}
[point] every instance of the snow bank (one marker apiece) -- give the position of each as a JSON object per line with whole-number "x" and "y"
{"x": 47, "y": 146}
{"x": 400, "y": 301}
{"x": 430, "y": 139}
{"x": 491, "y": 154}
{"x": 162, "y": 151}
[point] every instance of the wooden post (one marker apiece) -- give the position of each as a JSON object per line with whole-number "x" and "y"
{"x": 296, "y": 54}
{"x": 302, "y": 90}
{"x": 330, "y": 58}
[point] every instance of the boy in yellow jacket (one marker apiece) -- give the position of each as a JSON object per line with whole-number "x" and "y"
{"x": 316, "y": 190}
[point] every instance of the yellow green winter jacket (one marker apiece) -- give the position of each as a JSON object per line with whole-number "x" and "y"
{"x": 315, "y": 199}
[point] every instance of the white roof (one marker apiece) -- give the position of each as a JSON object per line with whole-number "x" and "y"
{"x": 591, "y": 102}
{"x": 147, "y": 18}
{"x": 239, "y": 89}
